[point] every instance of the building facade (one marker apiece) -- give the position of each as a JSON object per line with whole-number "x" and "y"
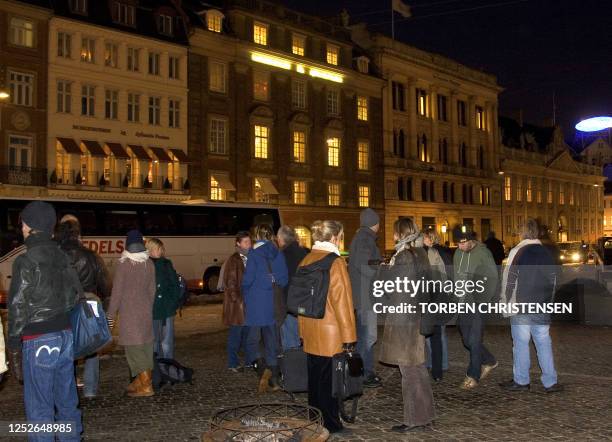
{"x": 598, "y": 152}
{"x": 284, "y": 111}
{"x": 542, "y": 180}
{"x": 23, "y": 114}
{"x": 117, "y": 101}
{"x": 440, "y": 139}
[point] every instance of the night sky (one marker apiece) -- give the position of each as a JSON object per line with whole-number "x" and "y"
{"x": 534, "y": 47}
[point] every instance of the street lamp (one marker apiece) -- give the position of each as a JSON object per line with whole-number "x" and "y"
{"x": 4, "y": 94}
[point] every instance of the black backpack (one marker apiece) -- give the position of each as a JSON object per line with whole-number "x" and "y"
{"x": 307, "y": 293}
{"x": 169, "y": 371}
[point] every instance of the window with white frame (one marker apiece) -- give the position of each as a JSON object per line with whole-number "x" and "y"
{"x": 214, "y": 20}
{"x": 173, "y": 67}
{"x": 299, "y": 192}
{"x": 164, "y": 24}
{"x": 111, "y": 104}
{"x": 218, "y": 136}
{"x": 363, "y": 65}
{"x": 133, "y": 107}
{"x": 64, "y": 96}
{"x": 333, "y": 194}
{"x": 480, "y": 118}
{"x": 216, "y": 76}
{"x": 261, "y": 86}
{"x": 508, "y": 188}
{"x": 154, "y": 61}
{"x": 262, "y": 138}
{"x": 298, "y": 94}
{"x": 88, "y": 100}
{"x": 299, "y": 146}
{"x": 217, "y": 193}
{"x": 260, "y": 33}
{"x": 332, "y": 54}
{"x": 154, "y": 110}
{"x": 333, "y": 102}
{"x": 421, "y": 97}
{"x": 111, "y": 55}
{"x": 298, "y": 44}
{"x": 362, "y": 108}
{"x": 133, "y": 59}
{"x": 364, "y": 196}
{"x": 363, "y": 155}
{"x": 333, "y": 151}
{"x": 78, "y": 6}
{"x": 64, "y": 44}
{"x": 21, "y": 86}
{"x": 88, "y": 50}
{"x": 174, "y": 113}
{"x": 124, "y": 13}
{"x": 21, "y": 32}
{"x": 19, "y": 151}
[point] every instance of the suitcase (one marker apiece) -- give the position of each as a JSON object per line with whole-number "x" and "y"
{"x": 294, "y": 370}
{"x": 347, "y": 381}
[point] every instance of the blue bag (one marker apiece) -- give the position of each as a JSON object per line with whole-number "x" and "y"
{"x": 89, "y": 328}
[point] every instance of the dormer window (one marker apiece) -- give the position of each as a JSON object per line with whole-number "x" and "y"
{"x": 214, "y": 20}
{"x": 78, "y": 6}
{"x": 164, "y": 24}
{"x": 332, "y": 54}
{"x": 123, "y": 13}
{"x": 363, "y": 64}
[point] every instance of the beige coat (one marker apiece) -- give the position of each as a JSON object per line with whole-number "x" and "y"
{"x": 3, "y": 366}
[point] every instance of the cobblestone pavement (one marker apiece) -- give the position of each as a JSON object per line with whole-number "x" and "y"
{"x": 582, "y": 412}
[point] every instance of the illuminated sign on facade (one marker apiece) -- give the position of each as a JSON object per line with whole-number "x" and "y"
{"x": 284, "y": 63}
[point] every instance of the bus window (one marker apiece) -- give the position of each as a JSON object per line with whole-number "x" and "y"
{"x": 87, "y": 220}
{"x": 198, "y": 224}
{"x": 11, "y": 236}
{"x": 118, "y": 223}
{"x": 160, "y": 223}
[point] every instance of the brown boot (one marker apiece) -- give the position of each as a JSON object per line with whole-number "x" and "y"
{"x": 133, "y": 385}
{"x": 264, "y": 381}
{"x": 145, "y": 385}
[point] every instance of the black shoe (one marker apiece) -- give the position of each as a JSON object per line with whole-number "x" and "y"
{"x": 437, "y": 380}
{"x": 513, "y": 386}
{"x": 372, "y": 381}
{"x": 554, "y": 388}
{"x": 344, "y": 431}
{"x": 405, "y": 428}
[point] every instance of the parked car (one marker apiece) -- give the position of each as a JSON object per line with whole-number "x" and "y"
{"x": 573, "y": 252}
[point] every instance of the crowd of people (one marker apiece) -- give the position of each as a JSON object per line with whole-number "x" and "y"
{"x": 57, "y": 270}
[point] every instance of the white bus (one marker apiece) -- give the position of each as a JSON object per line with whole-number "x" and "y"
{"x": 197, "y": 237}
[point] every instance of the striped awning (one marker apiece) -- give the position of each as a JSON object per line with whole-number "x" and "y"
{"x": 161, "y": 155}
{"x": 181, "y": 156}
{"x": 94, "y": 148}
{"x": 70, "y": 146}
{"x": 139, "y": 152}
{"x": 117, "y": 150}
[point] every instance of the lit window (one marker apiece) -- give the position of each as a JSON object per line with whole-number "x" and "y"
{"x": 298, "y": 94}
{"x": 124, "y": 13}
{"x": 529, "y": 190}
{"x": 304, "y": 236}
{"x": 261, "y": 141}
{"x": 21, "y": 86}
{"x": 333, "y": 152}
{"x": 154, "y": 111}
{"x": 133, "y": 110}
{"x": 362, "y": 108}
{"x": 571, "y": 196}
{"x": 111, "y": 103}
{"x": 214, "y": 20}
{"x": 22, "y": 32}
{"x": 539, "y": 194}
{"x": 88, "y": 100}
{"x": 508, "y": 188}
{"x": 216, "y": 74}
{"x": 64, "y": 96}
{"x": 298, "y": 43}
{"x": 519, "y": 189}
{"x": 88, "y": 50}
{"x": 174, "y": 113}
{"x": 217, "y": 193}
{"x": 562, "y": 194}
{"x": 173, "y": 67}
{"x": 133, "y": 59}
{"x": 333, "y": 102}
{"x": 260, "y": 34}
{"x": 261, "y": 86}
{"x": 299, "y": 146}
{"x": 363, "y": 155}
{"x": 333, "y": 194}
{"x": 332, "y": 54}
{"x": 299, "y": 192}
{"x": 421, "y": 97}
{"x": 480, "y": 118}
{"x": 64, "y": 44}
{"x": 218, "y": 136}
{"x": 154, "y": 58}
{"x": 111, "y": 55}
{"x": 364, "y": 196}
{"x": 549, "y": 196}
{"x": 260, "y": 195}
{"x": 165, "y": 24}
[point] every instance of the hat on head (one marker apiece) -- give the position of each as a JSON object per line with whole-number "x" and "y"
{"x": 39, "y": 215}
{"x": 134, "y": 242}
{"x": 467, "y": 235}
{"x": 368, "y": 218}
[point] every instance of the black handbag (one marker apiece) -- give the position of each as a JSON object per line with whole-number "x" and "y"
{"x": 280, "y": 303}
{"x": 347, "y": 381}
{"x": 294, "y": 369}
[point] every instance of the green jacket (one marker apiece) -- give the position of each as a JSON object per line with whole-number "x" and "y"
{"x": 167, "y": 291}
{"x": 477, "y": 265}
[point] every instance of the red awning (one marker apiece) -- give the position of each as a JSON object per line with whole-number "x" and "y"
{"x": 94, "y": 148}
{"x": 139, "y": 152}
{"x": 180, "y": 155}
{"x": 161, "y": 155}
{"x": 70, "y": 146}
{"x": 117, "y": 150}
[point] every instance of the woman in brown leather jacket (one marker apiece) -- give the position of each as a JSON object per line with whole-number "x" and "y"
{"x": 327, "y": 336}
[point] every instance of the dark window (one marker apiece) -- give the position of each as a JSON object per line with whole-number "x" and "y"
{"x": 442, "y": 110}
{"x": 464, "y": 190}
{"x": 160, "y": 223}
{"x": 198, "y": 224}
{"x": 409, "y": 196}
{"x": 87, "y": 219}
{"x": 463, "y": 155}
{"x": 424, "y": 190}
{"x": 471, "y": 194}
{"x": 432, "y": 194}
{"x": 443, "y": 151}
{"x": 452, "y": 192}
{"x": 402, "y": 139}
{"x": 395, "y": 141}
{"x": 397, "y": 93}
{"x": 481, "y": 157}
{"x": 445, "y": 192}
{"x": 400, "y": 189}
{"x": 119, "y": 222}
{"x": 461, "y": 114}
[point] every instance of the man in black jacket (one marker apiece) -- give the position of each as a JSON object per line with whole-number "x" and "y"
{"x": 294, "y": 253}
{"x": 44, "y": 289}
{"x": 95, "y": 281}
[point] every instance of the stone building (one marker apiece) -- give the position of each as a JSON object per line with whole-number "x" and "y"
{"x": 597, "y": 152}
{"x": 283, "y": 110}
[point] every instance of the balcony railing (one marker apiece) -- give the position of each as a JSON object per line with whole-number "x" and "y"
{"x": 114, "y": 181}
{"x": 23, "y": 176}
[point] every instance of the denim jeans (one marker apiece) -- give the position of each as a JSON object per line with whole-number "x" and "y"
{"x": 367, "y": 333}
{"x": 471, "y": 327}
{"x": 163, "y": 329}
{"x": 269, "y": 334}
{"x": 237, "y": 339}
{"x": 438, "y": 342}
{"x": 290, "y": 336}
{"x": 91, "y": 375}
{"x": 522, "y": 332}
{"x": 49, "y": 384}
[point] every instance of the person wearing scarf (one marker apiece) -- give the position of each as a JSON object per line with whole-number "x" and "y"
{"x": 132, "y": 300}
{"x": 402, "y": 343}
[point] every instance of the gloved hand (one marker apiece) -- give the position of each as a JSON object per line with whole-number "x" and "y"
{"x": 349, "y": 347}
{"x": 15, "y": 364}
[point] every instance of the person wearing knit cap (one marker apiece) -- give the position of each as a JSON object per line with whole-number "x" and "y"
{"x": 40, "y": 333}
{"x": 363, "y": 259}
